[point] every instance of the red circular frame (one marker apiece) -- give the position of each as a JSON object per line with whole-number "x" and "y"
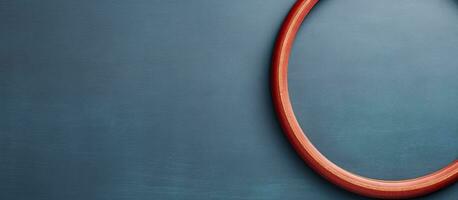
{"x": 361, "y": 185}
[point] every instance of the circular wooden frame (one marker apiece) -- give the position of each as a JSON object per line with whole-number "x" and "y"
{"x": 361, "y": 185}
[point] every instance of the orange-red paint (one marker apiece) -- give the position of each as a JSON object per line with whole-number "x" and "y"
{"x": 364, "y": 186}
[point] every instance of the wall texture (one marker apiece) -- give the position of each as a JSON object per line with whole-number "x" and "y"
{"x": 168, "y": 99}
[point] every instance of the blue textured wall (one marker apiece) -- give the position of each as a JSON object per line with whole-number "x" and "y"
{"x": 170, "y": 99}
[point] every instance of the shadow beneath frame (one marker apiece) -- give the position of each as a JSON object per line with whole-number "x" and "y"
{"x": 290, "y": 152}
{"x": 281, "y": 139}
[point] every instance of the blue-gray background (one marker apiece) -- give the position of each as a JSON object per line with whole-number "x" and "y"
{"x": 166, "y": 99}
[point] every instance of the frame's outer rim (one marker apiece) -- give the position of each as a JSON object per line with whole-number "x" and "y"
{"x": 361, "y": 185}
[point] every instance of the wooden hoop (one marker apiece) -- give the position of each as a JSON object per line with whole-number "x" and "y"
{"x": 361, "y": 185}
